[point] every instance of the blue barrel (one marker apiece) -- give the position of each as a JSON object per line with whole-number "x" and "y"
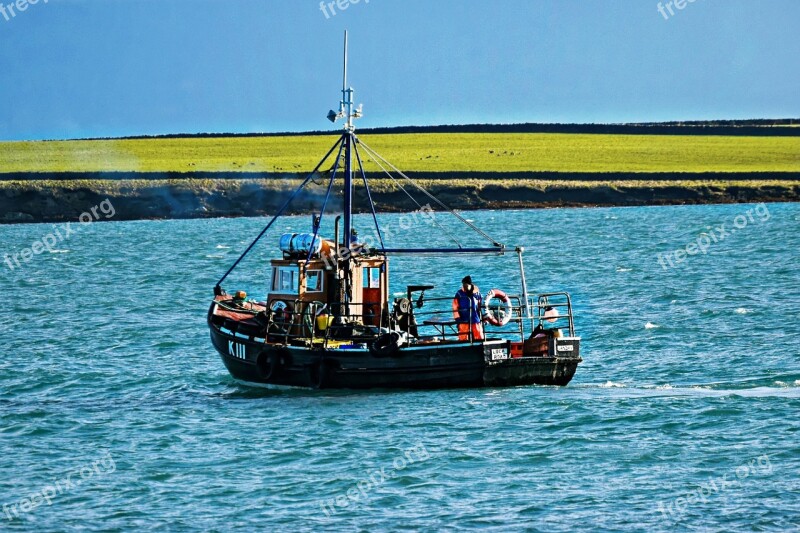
{"x": 300, "y": 243}
{"x": 306, "y": 242}
{"x": 286, "y": 242}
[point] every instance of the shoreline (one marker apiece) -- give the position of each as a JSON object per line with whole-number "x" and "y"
{"x": 48, "y": 200}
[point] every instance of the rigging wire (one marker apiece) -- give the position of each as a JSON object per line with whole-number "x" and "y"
{"x": 369, "y": 194}
{"x": 371, "y": 153}
{"x": 325, "y": 204}
{"x": 280, "y": 212}
{"x": 432, "y": 197}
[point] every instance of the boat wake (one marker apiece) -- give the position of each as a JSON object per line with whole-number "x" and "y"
{"x": 781, "y": 385}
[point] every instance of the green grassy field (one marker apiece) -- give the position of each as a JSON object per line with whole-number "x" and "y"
{"x": 428, "y": 152}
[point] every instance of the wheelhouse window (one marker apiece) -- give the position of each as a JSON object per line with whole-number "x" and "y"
{"x": 372, "y": 277}
{"x": 285, "y": 279}
{"x": 314, "y": 281}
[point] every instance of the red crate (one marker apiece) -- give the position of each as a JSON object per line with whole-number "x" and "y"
{"x": 516, "y": 349}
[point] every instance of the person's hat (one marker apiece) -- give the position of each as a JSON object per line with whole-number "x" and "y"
{"x": 467, "y": 280}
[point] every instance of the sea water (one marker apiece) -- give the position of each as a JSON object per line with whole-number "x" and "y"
{"x": 116, "y": 413}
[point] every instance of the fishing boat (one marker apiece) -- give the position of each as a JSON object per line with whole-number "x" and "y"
{"x": 330, "y": 321}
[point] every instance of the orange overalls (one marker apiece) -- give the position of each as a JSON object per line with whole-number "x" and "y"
{"x": 467, "y": 313}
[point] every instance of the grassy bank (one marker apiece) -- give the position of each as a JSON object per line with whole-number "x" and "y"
{"x": 251, "y": 176}
{"x": 425, "y": 152}
{"x": 50, "y": 201}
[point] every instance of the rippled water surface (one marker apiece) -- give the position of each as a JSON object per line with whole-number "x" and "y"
{"x": 117, "y": 414}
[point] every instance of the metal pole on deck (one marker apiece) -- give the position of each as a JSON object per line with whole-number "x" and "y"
{"x": 520, "y": 249}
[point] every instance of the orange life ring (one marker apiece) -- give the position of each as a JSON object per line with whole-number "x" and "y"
{"x": 503, "y": 316}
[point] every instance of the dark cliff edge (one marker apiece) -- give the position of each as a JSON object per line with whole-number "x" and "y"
{"x": 64, "y": 197}
{"x": 783, "y": 127}
{"x": 121, "y": 176}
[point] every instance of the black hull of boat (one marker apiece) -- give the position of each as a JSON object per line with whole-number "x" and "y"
{"x": 457, "y": 365}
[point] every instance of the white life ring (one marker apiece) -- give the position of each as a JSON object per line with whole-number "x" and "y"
{"x": 503, "y": 314}
{"x": 281, "y": 314}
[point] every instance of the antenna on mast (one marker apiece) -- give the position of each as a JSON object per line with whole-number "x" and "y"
{"x": 346, "y": 110}
{"x": 344, "y": 74}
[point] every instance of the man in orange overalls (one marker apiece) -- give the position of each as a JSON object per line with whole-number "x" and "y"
{"x": 467, "y": 311}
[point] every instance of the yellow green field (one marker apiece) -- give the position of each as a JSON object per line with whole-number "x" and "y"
{"x": 428, "y": 152}
{"x": 378, "y": 186}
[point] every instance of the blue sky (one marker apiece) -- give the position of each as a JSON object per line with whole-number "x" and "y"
{"x": 81, "y": 68}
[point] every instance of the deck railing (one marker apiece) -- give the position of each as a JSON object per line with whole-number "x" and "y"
{"x": 434, "y": 321}
{"x": 553, "y": 311}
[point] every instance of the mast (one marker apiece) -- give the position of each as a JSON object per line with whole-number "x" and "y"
{"x": 347, "y": 112}
{"x": 347, "y": 106}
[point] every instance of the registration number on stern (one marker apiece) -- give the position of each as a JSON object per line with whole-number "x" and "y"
{"x": 499, "y": 353}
